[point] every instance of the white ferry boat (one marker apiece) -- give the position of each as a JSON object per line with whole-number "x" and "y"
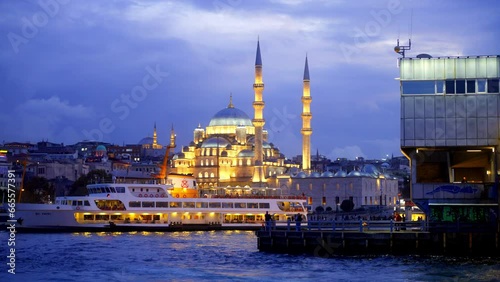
{"x": 160, "y": 207}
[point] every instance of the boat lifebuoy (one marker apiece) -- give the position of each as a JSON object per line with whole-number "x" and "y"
{"x": 140, "y": 195}
{"x": 145, "y": 195}
{"x": 77, "y": 208}
{"x": 156, "y": 196}
{"x": 163, "y": 195}
{"x": 177, "y": 195}
{"x": 151, "y": 196}
{"x": 184, "y": 196}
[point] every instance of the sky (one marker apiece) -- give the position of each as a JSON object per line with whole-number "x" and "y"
{"x": 109, "y": 70}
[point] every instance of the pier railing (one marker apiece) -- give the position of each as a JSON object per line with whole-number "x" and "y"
{"x": 353, "y": 225}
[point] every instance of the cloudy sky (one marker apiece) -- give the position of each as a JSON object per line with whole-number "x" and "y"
{"x": 108, "y": 70}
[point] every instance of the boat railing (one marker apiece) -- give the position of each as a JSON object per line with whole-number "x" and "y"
{"x": 257, "y": 197}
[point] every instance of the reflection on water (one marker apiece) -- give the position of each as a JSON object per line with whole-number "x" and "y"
{"x": 213, "y": 256}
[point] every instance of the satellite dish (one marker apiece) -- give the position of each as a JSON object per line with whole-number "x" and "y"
{"x": 424, "y": 56}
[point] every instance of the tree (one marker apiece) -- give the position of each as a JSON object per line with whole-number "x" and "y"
{"x": 37, "y": 190}
{"x": 319, "y": 209}
{"x": 79, "y": 188}
{"x": 347, "y": 205}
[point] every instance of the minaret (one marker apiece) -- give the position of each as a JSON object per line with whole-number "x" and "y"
{"x": 258, "y": 120}
{"x": 306, "y": 121}
{"x": 155, "y": 138}
{"x": 172, "y": 138}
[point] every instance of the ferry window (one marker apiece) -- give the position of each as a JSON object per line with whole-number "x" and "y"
{"x": 188, "y": 205}
{"x": 80, "y": 203}
{"x": 252, "y": 205}
{"x": 74, "y": 203}
{"x": 120, "y": 189}
{"x": 142, "y": 189}
{"x": 162, "y": 204}
{"x": 481, "y": 85}
{"x": 107, "y": 190}
{"x": 147, "y": 190}
{"x": 201, "y": 205}
{"x": 134, "y": 204}
{"x": 158, "y": 190}
{"x": 450, "y": 87}
{"x": 88, "y": 217}
{"x": 116, "y": 217}
{"x": 460, "y": 87}
{"x": 227, "y": 205}
{"x": 102, "y": 217}
{"x": 240, "y": 205}
{"x": 148, "y": 204}
{"x": 86, "y": 203}
{"x": 264, "y": 205}
{"x": 492, "y": 85}
{"x": 439, "y": 86}
{"x": 174, "y": 204}
{"x": 471, "y": 86}
{"x": 214, "y": 205}
{"x": 112, "y": 189}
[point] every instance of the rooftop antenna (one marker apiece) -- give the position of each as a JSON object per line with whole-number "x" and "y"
{"x": 400, "y": 49}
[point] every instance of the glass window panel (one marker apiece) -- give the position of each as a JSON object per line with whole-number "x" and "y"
{"x": 492, "y": 67}
{"x": 134, "y": 204}
{"x": 492, "y": 85}
{"x": 148, "y": 204}
{"x": 188, "y": 205}
{"x": 450, "y": 87}
{"x": 470, "y": 68}
{"x": 429, "y": 69}
{"x": 460, "y": 87}
{"x": 449, "y": 68}
{"x": 440, "y": 86}
{"x": 227, "y": 205}
{"x": 471, "y": 86}
{"x": 264, "y": 205}
{"x": 481, "y": 67}
{"x": 481, "y": 85}
{"x": 460, "y": 68}
{"x": 418, "y": 87}
{"x": 439, "y": 69}
{"x": 214, "y": 205}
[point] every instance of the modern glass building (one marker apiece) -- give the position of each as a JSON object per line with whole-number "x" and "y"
{"x": 450, "y": 120}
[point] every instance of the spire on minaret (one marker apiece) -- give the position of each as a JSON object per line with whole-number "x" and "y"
{"x": 172, "y": 137}
{"x": 258, "y": 60}
{"x": 230, "y": 101}
{"x": 306, "y": 70}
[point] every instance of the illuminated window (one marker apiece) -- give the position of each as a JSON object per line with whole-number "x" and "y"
{"x": 481, "y": 85}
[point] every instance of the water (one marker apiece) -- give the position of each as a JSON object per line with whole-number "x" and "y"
{"x": 212, "y": 256}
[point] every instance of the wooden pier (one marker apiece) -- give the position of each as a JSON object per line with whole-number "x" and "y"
{"x": 328, "y": 242}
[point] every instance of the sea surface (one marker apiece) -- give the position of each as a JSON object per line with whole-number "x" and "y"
{"x": 212, "y": 256}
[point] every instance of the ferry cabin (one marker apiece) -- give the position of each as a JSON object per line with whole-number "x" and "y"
{"x": 154, "y": 204}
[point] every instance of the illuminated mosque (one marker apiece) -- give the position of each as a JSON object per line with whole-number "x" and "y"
{"x": 233, "y": 150}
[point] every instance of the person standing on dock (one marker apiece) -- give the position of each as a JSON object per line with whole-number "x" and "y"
{"x": 267, "y": 217}
{"x": 298, "y": 221}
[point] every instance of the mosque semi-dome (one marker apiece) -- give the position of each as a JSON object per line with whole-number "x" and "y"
{"x": 101, "y": 148}
{"x": 214, "y": 142}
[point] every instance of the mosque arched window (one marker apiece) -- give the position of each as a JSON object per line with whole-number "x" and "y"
{"x": 212, "y": 175}
{"x": 298, "y": 187}
{"x": 200, "y": 175}
{"x": 249, "y": 162}
{"x": 241, "y": 162}
{"x": 206, "y": 174}
{"x": 211, "y": 162}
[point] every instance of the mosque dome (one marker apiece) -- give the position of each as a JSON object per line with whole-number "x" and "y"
{"x": 101, "y": 148}
{"x": 230, "y": 116}
{"x": 214, "y": 142}
{"x": 327, "y": 174}
{"x": 370, "y": 170}
{"x": 146, "y": 141}
{"x": 315, "y": 174}
{"x": 354, "y": 173}
{"x": 340, "y": 173}
{"x": 301, "y": 175}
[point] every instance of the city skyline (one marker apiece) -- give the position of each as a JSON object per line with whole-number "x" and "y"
{"x": 110, "y": 70}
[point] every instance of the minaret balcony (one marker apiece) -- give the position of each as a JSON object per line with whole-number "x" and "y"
{"x": 258, "y": 85}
